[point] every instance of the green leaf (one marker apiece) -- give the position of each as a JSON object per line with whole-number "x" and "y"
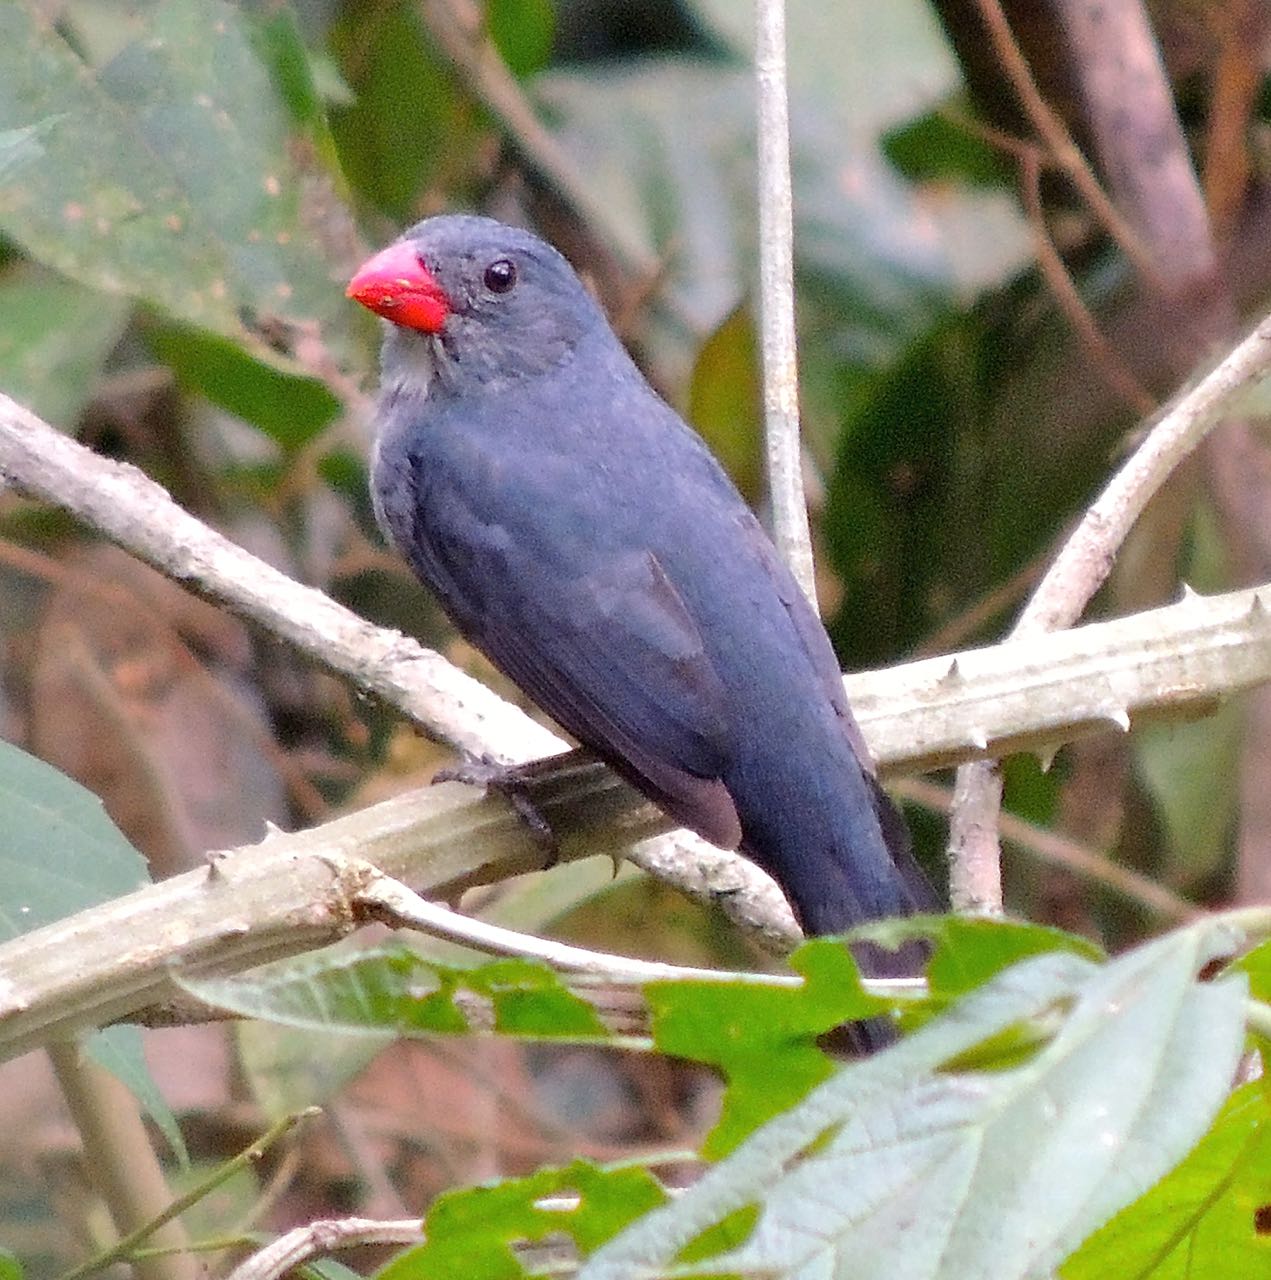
{"x": 174, "y": 173}
{"x": 879, "y": 64}
{"x": 522, "y": 31}
{"x": 276, "y": 39}
{"x": 894, "y": 1167}
{"x": 55, "y": 336}
{"x": 470, "y": 1233}
{"x": 407, "y": 122}
{"x": 933, "y": 147}
{"x": 393, "y": 988}
{"x": 726, "y": 401}
{"x": 893, "y": 484}
{"x": 288, "y": 408}
{"x": 761, "y": 1038}
{"x": 855, "y": 72}
{"x": 1256, "y": 965}
{"x": 1206, "y": 1218}
{"x": 969, "y": 951}
{"x": 119, "y": 1050}
{"x": 59, "y": 852}
{"x": 1193, "y": 773}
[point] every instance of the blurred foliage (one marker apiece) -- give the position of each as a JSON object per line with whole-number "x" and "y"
{"x": 185, "y": 186}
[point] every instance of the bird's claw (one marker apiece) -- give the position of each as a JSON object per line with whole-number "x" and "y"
{"x": 514, "y": 785}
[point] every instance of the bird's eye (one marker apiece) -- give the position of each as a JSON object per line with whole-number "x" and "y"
{"x": 500, "y": 275}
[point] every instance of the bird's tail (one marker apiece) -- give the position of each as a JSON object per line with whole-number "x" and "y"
{"x": 864, "y": 878}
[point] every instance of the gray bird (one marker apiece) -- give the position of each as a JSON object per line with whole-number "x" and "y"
{"x": 580, "y": 535}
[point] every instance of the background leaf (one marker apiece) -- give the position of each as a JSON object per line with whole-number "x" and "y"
{"x": 119, "y": 1049}
{"x": 55, "y": 337}
{"x": 59, "y": 852}
{"x": 171, "y": 174}
{"x": 396, "y": 989}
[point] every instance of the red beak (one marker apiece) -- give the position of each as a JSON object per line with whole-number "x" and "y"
{"x": 396, "y": 285}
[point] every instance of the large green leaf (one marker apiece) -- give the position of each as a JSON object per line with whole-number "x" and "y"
{"x": 1205, "y": 1219}
{"x": 175, "y": 172}
{"x": 288, "y": 408}
{"x": 761, "y": 1038}
{"x": 522, "y": 32}
{"x": 911, "y": 1172}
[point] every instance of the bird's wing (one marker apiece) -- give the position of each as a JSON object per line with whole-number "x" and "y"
{"x": 612, "y": 654}
{"x": 812, "y": 636}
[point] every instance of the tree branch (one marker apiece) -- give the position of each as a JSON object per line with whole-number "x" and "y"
{"x": 1063, "y": 150}
{"x": 122, "y": 503}
{"x": 327, "y": 1235}
{"x": 281, "y": 896}
{"x": 291, "y": 893}
{"x": 1080, "y": 568}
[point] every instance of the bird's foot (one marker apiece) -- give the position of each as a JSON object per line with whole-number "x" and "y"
{"x": 513, "y": 783}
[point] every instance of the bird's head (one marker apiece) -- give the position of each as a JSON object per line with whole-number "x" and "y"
{"x": 475, "y": 302}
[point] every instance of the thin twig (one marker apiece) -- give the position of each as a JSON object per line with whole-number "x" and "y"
{"x": 1067, "y": 155}
{"x": 326, "y": 1236}
{"x": 1086, "y": 558}
{"x": 1060, "y": 851}
{"x": 776, "y": 300}
{"x": 1116, "y": 373}
{"x": 458, "y": 29}
{"x": 173, "y": 1210}
{"x": 121, "y": 1163}
{"x": 391, "y": 901}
